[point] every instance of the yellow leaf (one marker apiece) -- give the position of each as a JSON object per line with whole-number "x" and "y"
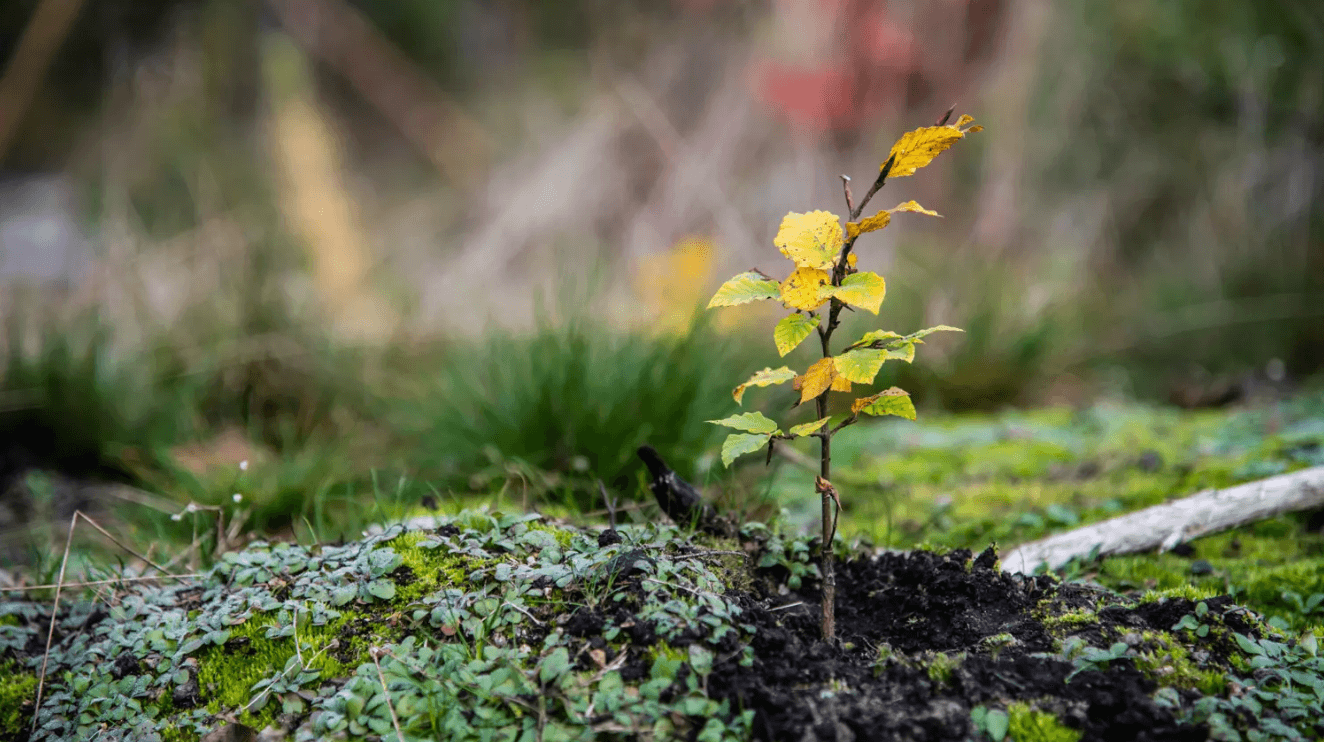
{"x": 743, "y": 289}
{"x": 893, "y": 401}
{"x": 852, "y": 259}
{"x": 808, "y": 428}
{"x": 917, "y": 148}
{"x": 765, "y": 377}
{"x": 792, "y": 331}
{"x": 840, "y": 384}
{"x": 803, "y": 289}
{"x": 810, "y": 240}
{"x": 868, "y": 224}
{"x": 882, "y": 219}
{"x": 864, "y": 290}
{"x": 817, "y": 379}
{"x": 912, "y": 206}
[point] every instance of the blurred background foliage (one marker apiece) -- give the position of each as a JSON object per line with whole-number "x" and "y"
{"x": 332, "y": 239}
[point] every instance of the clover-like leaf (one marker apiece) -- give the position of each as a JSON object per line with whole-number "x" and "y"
{"x": 810, "y": 240}
{"x": 382, "y": 589}
{"x": 917, "y": 148}
{"x": 792, "y": 330}
{"x": 737, "y": 444}
{"x": 750, "y": 422}
{"x": 804, "y": 288}
{"x": 809, "y": 427}
{"x": 745, "y": 288}
{"x": 554, "y": 665}
{"x": 892, "y": 401}
{"x": 864, "y": 290}
{"x": 765, "y": 377}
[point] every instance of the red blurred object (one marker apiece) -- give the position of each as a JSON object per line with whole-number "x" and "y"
{"x": 863, "y": 75}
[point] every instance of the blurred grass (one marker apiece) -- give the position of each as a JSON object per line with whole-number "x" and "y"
{"x": 575, "y": 400}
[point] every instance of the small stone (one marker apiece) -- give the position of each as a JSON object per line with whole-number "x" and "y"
{"x": 1201, "y": 567}
{"x": 608, "y": 537}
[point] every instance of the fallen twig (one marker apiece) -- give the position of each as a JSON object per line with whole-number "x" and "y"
{"x": 1164, "y": 526}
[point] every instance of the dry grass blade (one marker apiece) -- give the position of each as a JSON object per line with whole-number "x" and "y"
{"x": 386, "y": 692}
{"x": 94, "y": 583}
{"x": 59, "y": 588}
{"x": 55, "y": 611}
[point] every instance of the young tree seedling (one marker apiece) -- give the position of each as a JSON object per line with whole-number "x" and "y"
{"x": 825, "y": 274}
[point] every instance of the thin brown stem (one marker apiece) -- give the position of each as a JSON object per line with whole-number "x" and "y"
{"x": 877, "y": 184}
{"x": 829, "y": 522}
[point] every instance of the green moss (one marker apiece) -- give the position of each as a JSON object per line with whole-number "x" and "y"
{"x": 19, "y": 686}
{"x": 941, "y": 667}
{"x": 1163, "y": 658}
{"x": 432, "y": 568}
{"x": 1193, "y": 593}
{"x": 564, "y": 537}
{"x": 1026, "y": 724}
{"x": 226, "y": 676}
{"x": 1066, "y": 623}
{"x": 1257, "y": 564}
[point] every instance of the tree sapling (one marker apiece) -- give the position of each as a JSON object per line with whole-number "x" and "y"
{"x": 825, "y": 273}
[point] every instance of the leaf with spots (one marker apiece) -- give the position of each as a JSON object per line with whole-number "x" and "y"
{"x": 803, "y": 289}
{"x": 792, "y": 330}
{"x": 745, "y": 288}
{"x": 893, "y": 401}
{"x": 917, "y": 148}
{"x": 765, "y": 377}
{"x": 816, "y": 379}
{"x": 810, "y": 240}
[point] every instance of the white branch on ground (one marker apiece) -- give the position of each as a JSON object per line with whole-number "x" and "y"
{"x": 1164, "y": 526}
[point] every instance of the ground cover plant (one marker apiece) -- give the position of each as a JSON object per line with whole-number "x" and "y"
{"x": 483, "y": 625}
{"x": 825, "y": 273}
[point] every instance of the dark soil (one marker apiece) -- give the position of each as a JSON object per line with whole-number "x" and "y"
{"x": 918, "y": 604}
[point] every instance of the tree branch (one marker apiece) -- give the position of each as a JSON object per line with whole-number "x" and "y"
{"x": 1164, "y": 526}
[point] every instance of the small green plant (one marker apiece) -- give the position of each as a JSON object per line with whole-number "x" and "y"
{"x": 825, "y": 274}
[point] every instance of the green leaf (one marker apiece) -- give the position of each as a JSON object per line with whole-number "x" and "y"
{"x": 918, "y": 336}
{"x": 1249, "y": 646}
{"x": 996, "y": 722}
{"x": 860, "y": 365}
{"x": 864, "y": 290}
{"x": 893, "y": 401}
{"x": 382, "y": 589}
{"x": 743, "y": 289}
{"x": 792, "y": 331}
{"x": 554, "y": 665}
{"x": 741, "y": 443}
{"x": 808, "y": 428}
{"x": 750, "y": 422}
